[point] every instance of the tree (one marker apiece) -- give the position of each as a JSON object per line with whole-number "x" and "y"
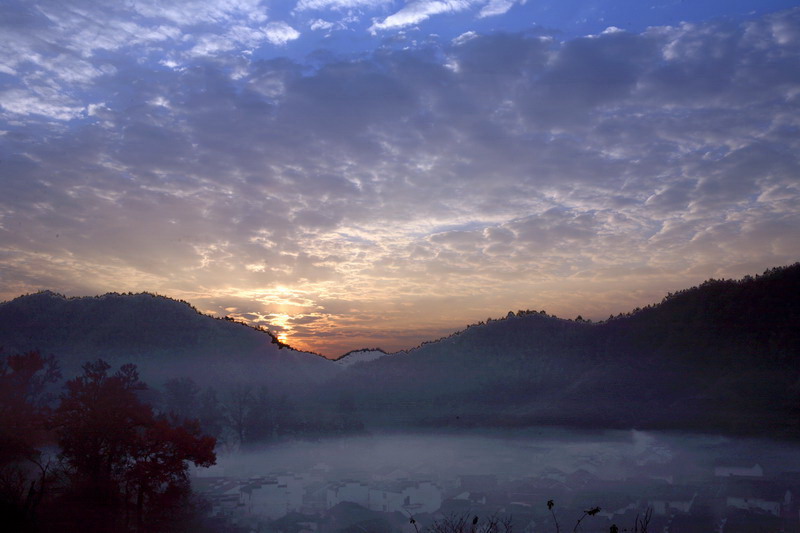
{"x": 348, "y": 415}
{"x": 469, "y": 524}
{"x": 259, "y": 425}
{"x": 121, "y": 456}
{"x": 237, "y": 409}
{"x": 285, "y": 420}
{"x": 158, "y": 458}
{"x": 181, "y": 397}
{"x": 24, "y": 469}
{"x": 24, "y": 379}
{"x": 211, "y": 414}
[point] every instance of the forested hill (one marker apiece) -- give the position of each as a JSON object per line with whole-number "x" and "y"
{"x": 723, "y": 356}
{"x": 164, "y": 337}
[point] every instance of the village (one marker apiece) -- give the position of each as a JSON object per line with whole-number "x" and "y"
{"x": 722, "y": 498}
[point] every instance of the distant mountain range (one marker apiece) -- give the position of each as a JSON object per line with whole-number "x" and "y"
{"x": 724, "y": 356}
{"x": 164, "y": 337}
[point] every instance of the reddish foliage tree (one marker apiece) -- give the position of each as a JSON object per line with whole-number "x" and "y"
{"x": 98, "y": 420}
{"x": 24, "y": 379}
{"x": 23, "y": 402}
{"x": 160, "y": 454}
{"x": 121, "y": 455}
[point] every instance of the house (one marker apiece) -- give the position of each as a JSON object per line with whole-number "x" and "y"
{"x": 533, "y": 499}
{"x": 550, "y": 488}
{"x": 386, "y": 498}
{"x": 477, "y": 482}
{"x": 580, "y": 479}
{"x": 616, "y": 506}
{"x": 348, "y": 491}
{"x": 320, "y": 471}
{"x": 213, "y": 471}
{"x": 412, "y": 497}
{"x": 668, "y": 499}
{"x": 660, "y": 472}
{"x": 315, "y": 498}
{"x": 553, "y": 473}
{"x": 265, "y": 497}
{"x": 740, "y": 521}
{"x": 423, "y": 496}
{"x": 390, "y": 473}
{"x": 738, "y": 470}
{"x": 294, "y": 485}
{"x": 757, "y": 496}
{"x": 475, "y": 498}
{"x": 459, "y": 507}
{"x": 222, "y": 493}
{"x": 274, "y": 496}
{"x": 295, "y": 523}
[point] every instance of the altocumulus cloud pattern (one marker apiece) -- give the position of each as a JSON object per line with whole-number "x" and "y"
{"x": 344, "y": 174}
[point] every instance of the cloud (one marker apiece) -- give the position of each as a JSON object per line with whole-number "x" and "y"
{"x": 465, "y": 37}
{"x": 304, "y": 5}
{"x": 416, "y": 11}
{"x": 496, "y": 7}
{"x": 192, "y": 12}
{"x": 50, "y": 47}
{"x": 43, "y": 102}
{"x": 319, "y": 24}
{"x": 280, "y": 33}
{"x": 244, "y": 39}
{"x": 398, "y": 195}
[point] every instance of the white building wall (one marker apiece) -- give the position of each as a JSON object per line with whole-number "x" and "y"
{"x": 270, "y": 500}
{"x": 426, "y": 495}
{"x": 349, "y": 491}
{"x": 750, "y": 504}
{"x": 665, "y": 507}
{"x": 294, "y": 490}
{"x": 659, "y": 507}
{"x": 386, "y": 501}
{"x": 743, "y": 471}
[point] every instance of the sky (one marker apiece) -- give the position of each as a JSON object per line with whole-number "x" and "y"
{"x": 378, "y": 173}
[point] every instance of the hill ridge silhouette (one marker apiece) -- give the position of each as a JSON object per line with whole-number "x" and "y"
{"x": 722, "y": 356}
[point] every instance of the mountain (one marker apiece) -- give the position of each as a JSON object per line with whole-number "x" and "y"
{"x": 360, "y": 356}
{"x": 724, "y": 356}
{"x": 163, "y": 337}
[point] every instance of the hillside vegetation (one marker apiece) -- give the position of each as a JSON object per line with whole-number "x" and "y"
{"x": 724, "y": 356}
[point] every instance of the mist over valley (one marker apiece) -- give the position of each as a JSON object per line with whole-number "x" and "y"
{"x": 399, "y": 266}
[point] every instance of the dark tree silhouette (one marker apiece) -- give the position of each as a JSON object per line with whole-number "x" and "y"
{"x": 211, "y": 414}
{"x": 237, "y": 408}
{"x": 465, "y": 524}
{"x": 259, "y": 426}
{"x": 122, "y": 458}
{"x": 181, "y": 397}
{"x": 24, "y": 471}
